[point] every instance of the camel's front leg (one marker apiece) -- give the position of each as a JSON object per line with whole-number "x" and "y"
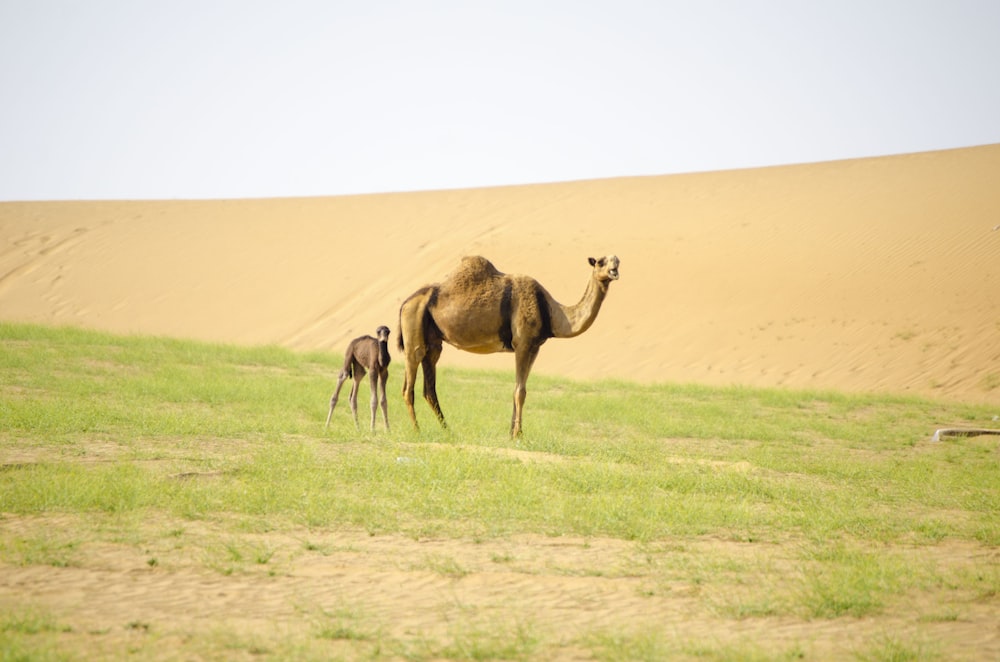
{"x": 384, "y": 380}
{"x": 374, "y": 401}
{"x": 358, "y": 376}
{"x": 336, "y": 394}
{"x": 430, "y": 381}
{"x": 523, "y": 362}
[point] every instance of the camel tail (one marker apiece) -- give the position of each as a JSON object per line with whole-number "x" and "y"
{"x": 348, "y": 368}
{"x": 415, "y": 311}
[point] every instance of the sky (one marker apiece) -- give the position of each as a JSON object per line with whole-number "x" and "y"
{"x": 155, "y": 99}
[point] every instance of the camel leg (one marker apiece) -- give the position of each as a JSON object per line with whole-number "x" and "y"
{"x": 374, "y": 399}
{"x": 383, "y": 380}
{"x": 430, "y": 381}
{"x": 359, "y": 374}
{"x": 523, "y": 362}
{"x": 414, "y": 355}
{"x": 336, "y": 394}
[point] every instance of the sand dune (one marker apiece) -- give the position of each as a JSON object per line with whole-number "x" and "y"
{"x": 872, "y": 274}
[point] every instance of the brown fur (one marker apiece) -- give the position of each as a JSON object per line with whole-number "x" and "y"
{"x": 371, "y": 355}
{"x": 480, "y": 309}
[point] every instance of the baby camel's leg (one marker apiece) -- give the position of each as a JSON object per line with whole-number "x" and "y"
{"x": 374, "y": 402}
{"x": 344, "y": 374}
{"x": 383, "y": 378}
{"x": 359, "y": 374}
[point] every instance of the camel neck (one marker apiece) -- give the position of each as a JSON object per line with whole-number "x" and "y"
{"x": 577, "y": 318}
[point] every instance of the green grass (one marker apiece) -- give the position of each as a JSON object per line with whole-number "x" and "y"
{"x": 641, "y": 462}
{"x": 127, "y": 429}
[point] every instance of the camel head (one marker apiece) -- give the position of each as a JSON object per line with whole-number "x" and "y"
{"x": 382, "y": 334}
{"x": 605, "y": 268}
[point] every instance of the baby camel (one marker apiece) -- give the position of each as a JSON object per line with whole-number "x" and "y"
{"x": 365, "y": 354}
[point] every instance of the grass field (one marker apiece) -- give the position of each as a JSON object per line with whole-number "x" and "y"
{"x": 179, "y": 500}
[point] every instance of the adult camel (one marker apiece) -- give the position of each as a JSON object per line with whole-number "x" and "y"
{"x": 479, "y": 309}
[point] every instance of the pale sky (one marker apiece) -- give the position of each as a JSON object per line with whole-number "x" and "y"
{"x": 137, "y": 99}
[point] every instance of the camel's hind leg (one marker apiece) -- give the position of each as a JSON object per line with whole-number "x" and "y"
{"x": 420, "y": 343}
{"x": 411, "y": 344}
{"x": 336, "y": 394}
{"x": 414, "y": 355}
{"x": 430, "y": 380}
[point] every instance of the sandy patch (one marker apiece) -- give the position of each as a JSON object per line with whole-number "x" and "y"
{"x": 562, "y": 590}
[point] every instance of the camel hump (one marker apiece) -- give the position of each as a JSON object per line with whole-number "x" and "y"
{"x": 472, "y": 273}
{"x": 477, "y": 266}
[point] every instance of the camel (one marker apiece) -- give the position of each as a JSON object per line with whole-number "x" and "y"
{"x": 479, "y": 309}
{"x": 365, "y": 354}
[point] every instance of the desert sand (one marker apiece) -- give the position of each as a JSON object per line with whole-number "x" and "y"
{"x": 879, "y": 274}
